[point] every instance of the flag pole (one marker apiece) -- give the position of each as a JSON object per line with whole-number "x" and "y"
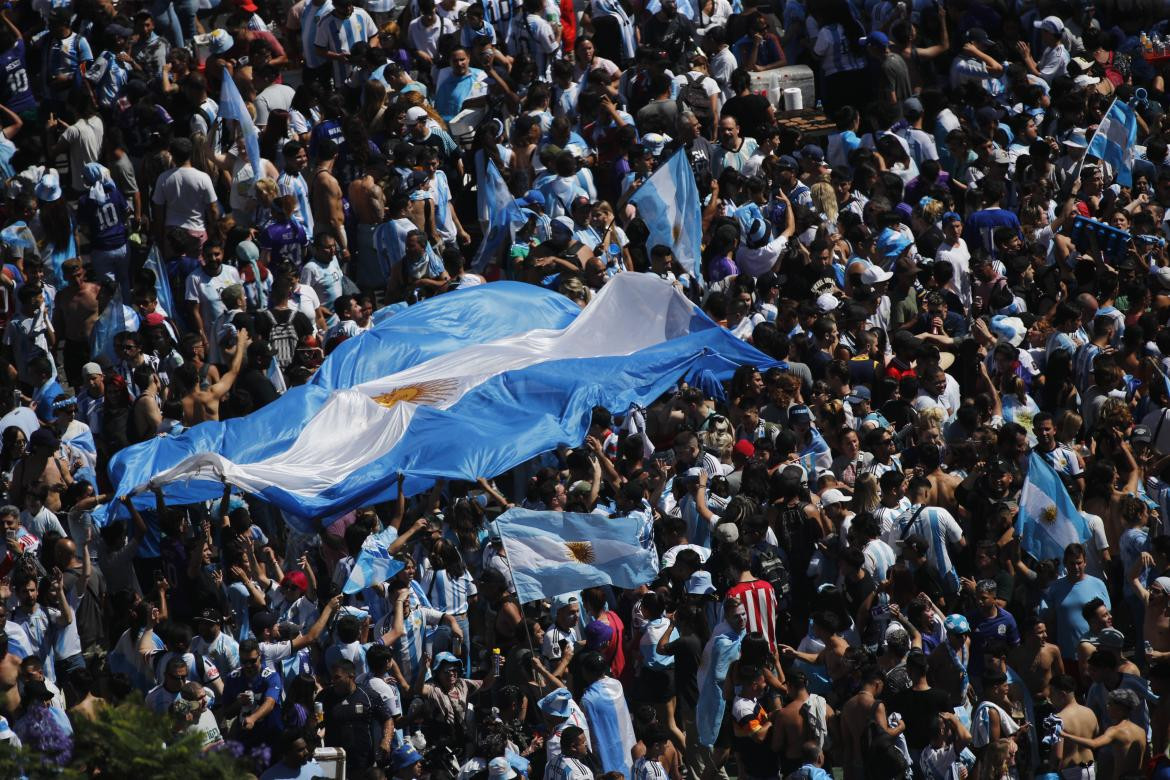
{"x": 1089, "y": 144}
{"x": 512, "y": 576}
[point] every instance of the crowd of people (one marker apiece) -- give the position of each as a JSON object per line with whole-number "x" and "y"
{"x": 951, "y": 288}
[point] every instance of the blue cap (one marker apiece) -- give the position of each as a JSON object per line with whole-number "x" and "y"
{"x": 787, "y": 163}
{"x": 859, "y": 394}
{"x": 557, "y": 704}
{"x": 951, "y": 216}
{"x": 892, "y": 243}
{"x": 404, "y": 756}
{"x": 445, "y": 658}
{"x": 799, "y": 411}
{"x": 876, "y": 38}
{"x": 534, "y": 198}
{"x": 700, "y": 584}
{"x": 812, "y": 152}
{"x": 562, "y": 601}
{"x": 957, "y": 624}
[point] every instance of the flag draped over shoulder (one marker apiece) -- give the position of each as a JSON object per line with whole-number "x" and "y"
{"x": 1115, "y": 141}
{"x": 467, "y": 384}
{"x": 559, "y": 552}
{"x": 668, "y": 202}
{"x": 504, "y": 217}
{"x": 1048, "y": 520}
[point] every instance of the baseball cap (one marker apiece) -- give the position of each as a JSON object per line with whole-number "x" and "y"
{"x": 561, "y": 601}
{"x": 726, "y": 533}
{"x": 564, "y": 223}
{"x": 744, "y": 448}
{"x": 155, "y": 318}
{"x": 297, "y": 579}
{"x": 892, "y": 243}
{"x": 957, "y": 624}
{"x": 951, "y": 216}
{"x": 875, "y": 275}
{"x": 415, "y": 113}
{"x": 978, "y": 35}
{"x": 91, "y": 369}
{"x": 1001, "y": 157}
{"x": 1141, "y": 434}
{"x": 655, "y": 142}
{"x": 859, "y": 394}
{"x": 500, "y": 769}
{"x": 405, "y": 755}
{"x": 1050, "y": 24}
{"x": 445, "y": 658}
{"x": 912, "y": 106}
{"x": 1085, "y": 80}
{"x": 209, "y": 615}
{"x": 826, "y": 302}
{"x": 833, "y": 496}
{"x": 534, "y": 198}
{"x": 119, "y": 30}
{"x": 699, "y": 584}
{"x": 876, "y": 38}
{"x": 787, "y": 163}
{"x": 813, "y": 152}
{"x": 799, "y": 412}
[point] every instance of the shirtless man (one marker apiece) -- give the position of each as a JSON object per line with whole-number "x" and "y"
{"x": 1036, "y": 659}
{"x": 199, "y": 404}
{"x": 1073, "y": 761}
{"x": 42, "y": 467}
{"x": 75, "y": 310}
{"x": 857, "y": 715}
{"x": 1099, "y": 618}
{"x": 367, "y": 203}
{"x": 941, "y": 669}
{"x": 1156, "y": 621}
{"x": 9, "y": 676}
{"x": 1126, "y": 740}
{"x": 792, "y": 728}
{"x": 325, "y": 197}
{"x": 942, "y": 484}
{"x": 826, "y": 628}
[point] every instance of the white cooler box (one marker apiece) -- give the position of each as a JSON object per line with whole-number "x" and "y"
{"x": 332, "y": 762}
{"x": 772, "y": 83}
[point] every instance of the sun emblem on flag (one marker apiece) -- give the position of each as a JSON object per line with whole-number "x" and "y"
{"x": 422, "y": 393}
{"x": 581, "y": 552}
{"x": 1049, "y": 514}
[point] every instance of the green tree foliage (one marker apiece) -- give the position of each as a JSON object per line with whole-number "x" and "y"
{"x": 126, "y": 742}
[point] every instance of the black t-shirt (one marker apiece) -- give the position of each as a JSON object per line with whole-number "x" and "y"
{"x": 687, "y": 651}
{"x": 354, "y": 722}
{"x": 917, "y": 709}
{"x": 750, "y": 111}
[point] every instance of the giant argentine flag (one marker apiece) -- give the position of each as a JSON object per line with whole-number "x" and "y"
{"x": 668, "y": 202}
{"x": 560, "y": 552}
{"x": 1115, "y": 141}
{"x": 1048, "y": 520}
{"x": 468, "y": 384}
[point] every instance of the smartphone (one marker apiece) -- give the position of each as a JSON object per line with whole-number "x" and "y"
{"x": 10, "y": 535}
{"x": 880, "y": 611}
{"x": 666, "y": 456}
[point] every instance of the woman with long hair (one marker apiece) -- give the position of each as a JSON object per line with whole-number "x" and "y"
{"x": 274, "y": 135}
{"x": 449, "y": 588}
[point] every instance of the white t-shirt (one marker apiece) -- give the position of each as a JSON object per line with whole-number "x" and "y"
{"x": 187, "y": 193}
{"x": 205, "y": 290}
{"x": 426, "y": 38}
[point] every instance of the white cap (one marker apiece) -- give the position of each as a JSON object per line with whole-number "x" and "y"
{"x": 1050, "y": 24}
{"x": 875, "y": 275}
{"x": 826, "y": 302}
{"x": 415, "y": 113}
{"x": 833, "y": 496}
{"x": 1086, "y": 81}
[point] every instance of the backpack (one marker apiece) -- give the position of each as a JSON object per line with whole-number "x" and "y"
{"x": 773, "y": 569}
{"x": 694, "y": 97}
{"x": 283, "y": 338}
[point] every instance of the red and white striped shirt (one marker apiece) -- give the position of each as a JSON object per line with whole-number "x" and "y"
{"x": 759, "y": 599}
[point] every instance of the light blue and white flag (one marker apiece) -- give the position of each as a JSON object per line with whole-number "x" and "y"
{"x": 110, "y": 323}
{"x": 558, "y": 552}
{"x": 374, "y": 563}
{"x": 504, "y": 217}
{"x": 467, "y": 384}
{"x": 231, "y": 106}
{"x": 1048, "y": 520}
{"x": 668, "y": 202}
{"x": 610, "y": 728}
{"x": 1115, "y": 141}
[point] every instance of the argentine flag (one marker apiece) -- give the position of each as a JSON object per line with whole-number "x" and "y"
{"x": 504, "y": 218}
{"x": 668, "y": 202}
{"x": 561, "y": 552}
{"x": 467, "y": 384}
{"x": 1048, "y": 520}
{"x": 231, "y": 106}
{"x": 374, "y": 563}
{"x": 1115, "y": 141}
